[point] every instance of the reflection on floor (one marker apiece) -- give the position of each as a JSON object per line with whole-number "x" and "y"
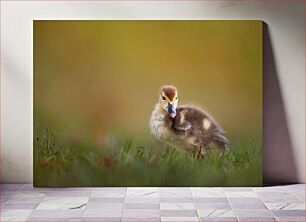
{"x": 22, "y": 202}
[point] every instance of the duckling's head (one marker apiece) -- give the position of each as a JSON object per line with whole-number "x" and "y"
{"x": 168, "y": 99}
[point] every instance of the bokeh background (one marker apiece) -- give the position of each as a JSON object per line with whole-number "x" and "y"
{"x": 98, "y": 81}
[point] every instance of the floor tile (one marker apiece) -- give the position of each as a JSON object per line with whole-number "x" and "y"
{"x": 57, "y": 213}
{"x": 176, "y": 200}
{"x": 20, "y": 206}
{"x": 29, "y": 187}
{"x": 291, "y": 219}
{"x": 274, "y": 197}
{"x": 279, "y": 189}
{"x": 257, "y": 219}
{"x": 300, "y": 195}
{"x": 178, "y": 213}
{"x": 218, "y": 219}
{"x": 67, "y": 189}
{"x": 24, "y": 200}
{"x": 24, "y": 194}
{"x": 294, "y": 187}
{"x": 141, "y": 206}
{"x": 280, "y": 200}
{"x": 273, "y": 194}
{"x": 55, "y": 219}
{"x": 174, "y": 189}
{"x": 10, "y": 186}
{"x": 109, "y": 189}
{"x": 224, "y": 205}
{"x": 114, "y": 193}
{"x": 289, "y": 213}
{"x": 14, "y": 214}
{"x": 105, "y": 200}
{"x": 248, "y": 206}
{"x": 177, "y": 206}
{"x": 210, "y": 192}
{"x": 245, "y": 200}
{"x": 103, "y": 213}
{"x": 101, "y": 219}
{"x": 133, "y": 192}
{"x": 255, "y": 213}
{"x": 216, "y": 213}
{"x": 175, "y": 194}
{"x": 237, "y": 189}
{"x": 67, "y": 193}
{"x": 62, "y": 203}
{"x": 142, "y": 213}
{"x": 210, "y": 200}
{"x": 3, "y": 200}
{"x": 206, "y": 188}
{"x": 142, "y": 200}
{"x": 179, "y": 219}
{"x": 240, "y": 194}
{"x": 285, "y": 206}
{"x": 140, "y": 219}
{"x": 91, "y": 205}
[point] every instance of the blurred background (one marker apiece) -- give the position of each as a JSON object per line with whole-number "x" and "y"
{"x": 99, "y": 80}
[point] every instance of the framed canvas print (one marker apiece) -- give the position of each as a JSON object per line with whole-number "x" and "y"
{"x": 147, "y": 103}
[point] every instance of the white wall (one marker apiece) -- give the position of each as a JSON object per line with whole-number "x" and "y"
{"x": 285, "y": 21}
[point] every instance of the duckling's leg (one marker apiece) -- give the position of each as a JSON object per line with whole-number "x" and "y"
{"x": 197, "y": 152}
{"x": 204, "y": 150}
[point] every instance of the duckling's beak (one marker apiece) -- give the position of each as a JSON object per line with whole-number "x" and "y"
{"x": 171, "y": 110}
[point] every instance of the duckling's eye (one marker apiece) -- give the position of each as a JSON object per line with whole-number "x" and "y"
{"x": 176, "y": 98}
{"x": 164, "y": 98}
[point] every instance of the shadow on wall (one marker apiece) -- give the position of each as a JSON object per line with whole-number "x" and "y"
{"x": 278, "y": 160}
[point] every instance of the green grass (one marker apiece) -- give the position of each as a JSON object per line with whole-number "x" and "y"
{"x": 131, "y": 164}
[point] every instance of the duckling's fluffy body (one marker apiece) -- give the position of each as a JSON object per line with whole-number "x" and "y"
{"x": 191, "y": 129}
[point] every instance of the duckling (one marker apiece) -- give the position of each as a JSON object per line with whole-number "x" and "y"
{"x": 188, "y": 128}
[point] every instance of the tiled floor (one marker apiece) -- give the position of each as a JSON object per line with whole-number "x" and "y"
{"x": 22, "y": 202}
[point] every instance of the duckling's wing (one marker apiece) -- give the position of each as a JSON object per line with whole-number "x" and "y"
{"x": 180, "y": 122}
{"x": 182, "y": 126}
